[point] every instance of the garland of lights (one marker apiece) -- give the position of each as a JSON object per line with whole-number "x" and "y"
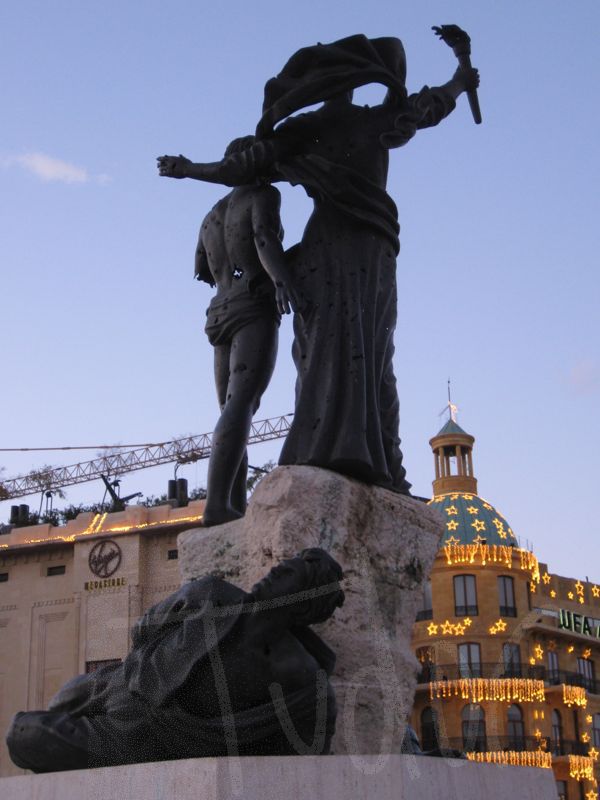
{"x": 514, "y": 758}
{"x": 457, "y": 553}
{"x": 581, "y": 768}
{"x": 509, "y": 690}
{"x": 574, "y": 695}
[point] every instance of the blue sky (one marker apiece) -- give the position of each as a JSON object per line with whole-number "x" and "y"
{"x": 102, "y": 324}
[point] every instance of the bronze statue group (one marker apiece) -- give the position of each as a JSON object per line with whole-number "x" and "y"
{"x": 200, "y": 678}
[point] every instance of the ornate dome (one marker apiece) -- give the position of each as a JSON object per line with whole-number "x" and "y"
{"x": 468, "y": 516}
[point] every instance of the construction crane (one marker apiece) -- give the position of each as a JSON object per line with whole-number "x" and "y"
{"x": 181, "y": 451}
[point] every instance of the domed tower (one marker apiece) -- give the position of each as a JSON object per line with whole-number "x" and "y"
{"x": 468, "y": 517}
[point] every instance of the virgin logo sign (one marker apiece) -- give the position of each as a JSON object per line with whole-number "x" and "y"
{"x": 105, "y": 558}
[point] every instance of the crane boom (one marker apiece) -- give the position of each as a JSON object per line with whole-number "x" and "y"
{"x": 182, "y": 451}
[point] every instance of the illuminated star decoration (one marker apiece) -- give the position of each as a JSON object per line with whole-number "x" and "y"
{"x": 452, "y": 540}
{"x": 452, "y": 511}
{"x": 591, "y": 795}
{"x": 432, "y": 629}
{"x": 459, "y": 629}
{"x": 546, "y": 578}
{"x": 589, "y": 719}
{"x": 479, "y": 525}
{"x": 585, "y": 737}
{"x": 447, "y": 628}
{"x": 453, "y": 497}
{"x": 570, "y": 595}
{"x": 473, "y": 510}
{"x": 452, "y": 525}
{"x": 552, "y": 593}
{"x": 478, "y": 539}
{"x": 570, "y": 648}
{"x": 539, "y": 651}
{"x": 587, "y": 652}
{"x": 488, "y": 506}
{"x": 593, "y": 753}
{"x": 532, "y": 661}
{"x": 596, "y": 591}
{"x": 579, "y": 587}
{"x": 467, "y": 622}
{"x": 501, "y": 625}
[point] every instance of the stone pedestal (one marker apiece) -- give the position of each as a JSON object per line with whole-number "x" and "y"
{"x": 301, "y": 778}
{"x": 385, "y": 543}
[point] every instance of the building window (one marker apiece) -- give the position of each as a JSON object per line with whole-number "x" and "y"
{"x": 429, "y": 730}
{"x": 3, "y": 577}
{"x": 553, "y": 671}
{"x": 465, "y": 596}
{"x": 596, "y": 730}
{"x": 425, "y": 659}
{"x": 557, "y": 733}
{"x": 585, "y": 668}
{"x": 561, "y": 789}
{"x": 506, "y": 593}
{"x": 426, "y": 610}
{"x": 473, "y": 729}
{"x": 172, "y": 554}
{"x": 92, "y": 666}
{"x": 58, "y": 570}
{"x": 469, "y": 660}
{"x": 511, "y": 654}
{"x": 516, "y": 729}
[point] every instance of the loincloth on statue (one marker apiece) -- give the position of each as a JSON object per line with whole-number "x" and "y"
{"x": 228, "y": 313}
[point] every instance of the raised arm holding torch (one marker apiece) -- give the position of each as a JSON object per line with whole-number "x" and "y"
{"x": 460, "y": 43}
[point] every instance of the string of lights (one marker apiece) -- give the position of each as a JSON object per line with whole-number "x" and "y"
{"x": 535, "y": 758}
{"x": 476, "y": 690}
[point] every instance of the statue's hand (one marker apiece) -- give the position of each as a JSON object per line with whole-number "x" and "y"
{"x": 173, "y": 166}
{"x": 468, "y": 77}
{"x": 286, "y": 299}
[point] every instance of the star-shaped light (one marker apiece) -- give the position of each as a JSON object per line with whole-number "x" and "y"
{"x": 467, "y": 622}
{"x": 447, "y": 628}
{"x": 585, "y": 737}
{"x": 452, "y": 511}
{"x": 488, "y": 506}
{"x": 537, "y": 733}
{"x": 479, "y": 525}
{"x": 593, "y": 753}
{"x": 453, "y": 497}
{"x": 498, "y": 523}
{"x": 478, "y": 539}
{"x": 539, "y": 651}
{"x": 552, "y": 593}
{"x": 502, "y": 534}
{"x": 581, "y": 600}
{"x": 452, "y": 525}
{"x": 493, "y": 630}
{"x": 432, "y": 629}
{"x": 501, "y": 625}
{"x": 570, "y": 595}
{"x": 596, "y": 591}
{"x": 587, "y": 652}
{"x": 589, "y": 719}
{"x": 532, "y": 661}
{"x": 532, "y": 588}
{"x": 459, "y": 630}
{"x": 467, "y": 496}
{"x": 570, "y": 648}
{"x": 591, "y": 795}
{"x": 473, "y": 510}
{"x": 546, "y": 578}
{"x": 579, "y": 587}
{"x": 452, "y": 540}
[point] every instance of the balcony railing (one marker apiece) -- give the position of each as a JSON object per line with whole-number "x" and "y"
{"x": 555, "y": 677}
{"x": 505, "y": 744}
{"x": 568, "y": 747}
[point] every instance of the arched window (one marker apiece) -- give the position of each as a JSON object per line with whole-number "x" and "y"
{"x": 473, "y": 729}
{"x": 429, "y": 729}
{"x": 557, "y": 733}
{"x": 516, "y": 729}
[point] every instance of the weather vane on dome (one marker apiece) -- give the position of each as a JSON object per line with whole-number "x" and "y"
{"x": 450, "y": 407}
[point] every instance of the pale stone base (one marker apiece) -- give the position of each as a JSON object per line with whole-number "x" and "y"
{"x": 385, "y": 543}
{"x": 300, "y": 778}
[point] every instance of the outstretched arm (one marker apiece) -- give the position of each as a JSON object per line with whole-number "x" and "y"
{"x": 235, "y": 170}
{"x": 268, "y": 233}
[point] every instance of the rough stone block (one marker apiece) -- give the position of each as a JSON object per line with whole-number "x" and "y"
{"x": 386, "y": 544}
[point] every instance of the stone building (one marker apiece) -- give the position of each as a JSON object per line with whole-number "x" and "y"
{"x": 507, "y": 649}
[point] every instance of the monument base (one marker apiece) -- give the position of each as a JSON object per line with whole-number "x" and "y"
{"x": 271, "y": 778}
{"x": 385, "y": 543}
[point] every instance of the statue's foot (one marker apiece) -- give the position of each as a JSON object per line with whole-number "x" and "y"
{"x": 218, "y": 516}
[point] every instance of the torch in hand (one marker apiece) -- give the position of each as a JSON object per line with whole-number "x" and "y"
{"x": 460, "y": 43}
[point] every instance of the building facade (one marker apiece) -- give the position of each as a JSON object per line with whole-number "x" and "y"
{"x": 507, "y": 649}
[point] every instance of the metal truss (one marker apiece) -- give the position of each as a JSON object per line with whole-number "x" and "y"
{"x": 181, "y": 451}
